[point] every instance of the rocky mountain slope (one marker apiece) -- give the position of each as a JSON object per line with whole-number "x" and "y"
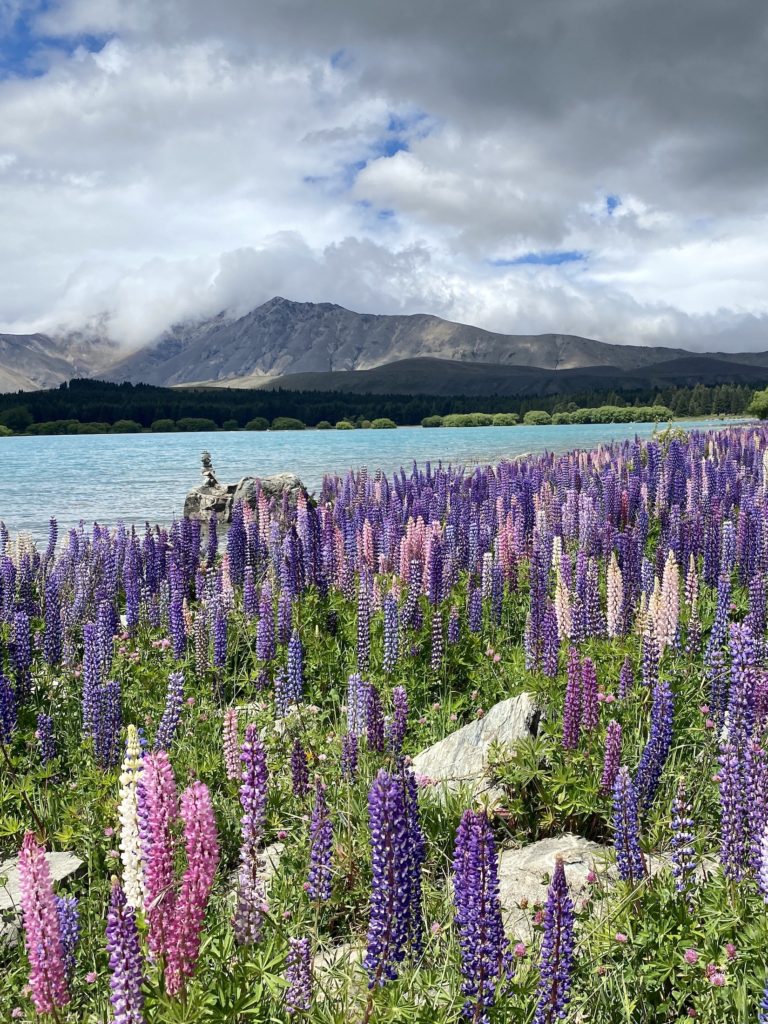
{"x": 282, "y": 337}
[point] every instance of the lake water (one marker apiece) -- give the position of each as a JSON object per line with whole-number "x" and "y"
{"x": 144, "y": 477}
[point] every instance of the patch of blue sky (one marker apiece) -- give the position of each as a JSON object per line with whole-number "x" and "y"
{"x": 612, "y": 202}
{"x": 341, "y": 58}
{"x": 553, "y": 258}
{"x": 21, "y": 46}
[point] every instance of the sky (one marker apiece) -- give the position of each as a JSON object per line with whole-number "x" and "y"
{"x": 592, "y": 167}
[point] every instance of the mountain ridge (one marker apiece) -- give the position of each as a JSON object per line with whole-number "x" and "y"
{"x": 284, "y": 338}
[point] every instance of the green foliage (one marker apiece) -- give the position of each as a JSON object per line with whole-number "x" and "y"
{"x": 432, "y": 421}
{"x": 383, "y": 423}
{"x": 230, "y": 425}
{"x": 18, "y": 418}
{"x": 759, "y": 405}
{"x": 89, "y": 428}
{"x": 126, "y": 427}
{"x": 471, "y": 419}
{"x": 287, "y": 423}
{"x": 194, "y": 423}
{"x": 163, "y": 426}
{"x": 345, "y": 425}
{"x": 324, "y": 425}
{"x": 537, "y": 418}
{"x": 5, "y": 431}
{"x": 505, "y": 419}
{"x": 257, "y": 423}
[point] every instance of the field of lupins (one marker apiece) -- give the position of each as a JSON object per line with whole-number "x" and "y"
{"x": 174, "y": 703}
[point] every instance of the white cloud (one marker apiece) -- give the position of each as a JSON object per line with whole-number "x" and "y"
{"x": 210, "y": 156}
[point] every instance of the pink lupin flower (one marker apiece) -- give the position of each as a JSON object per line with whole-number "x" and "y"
{"x": 158, "y": 808}
{"x": 202, "y": 860}
{"x": 47, "y": 976}
{"x": 231, "y": 744}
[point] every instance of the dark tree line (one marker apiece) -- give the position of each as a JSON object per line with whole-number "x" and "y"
{"x": 89, "y": 401}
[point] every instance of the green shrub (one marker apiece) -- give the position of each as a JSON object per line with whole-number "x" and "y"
{"x": 468, "y": 419}
{"x": 432, "y": 421}
{"x": 505, "y": 419}
{"x": 537, "y": 418}
{"x": 92, "y": 427}
{"x": 759, "y": 405}
{"x": 324, "y": 425}
{"x": 51, "y": 427}
{"x": 287, "y": 423}
{"x": 345, "y": 425}
{"x": 365, "y": 424}
{"x": 230, "y": 425}
{"x": 383, "y": 423}
{"x": 18, "y": 418}
{"x": 125, "y": 427}
{"x": 163, "y": 427}
{"x": 5, "y": 431}
{"x": 192, "y": 423}
{"x": 257, "y": 423}
{"x": 560, "y": 418}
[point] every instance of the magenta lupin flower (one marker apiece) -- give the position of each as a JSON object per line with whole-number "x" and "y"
{"x": 47, "y": 976}
{"x": 202, "y": 849}
{"x": 158, "y": 808}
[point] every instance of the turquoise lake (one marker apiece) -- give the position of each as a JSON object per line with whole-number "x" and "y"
{"x": 138, "y": 478}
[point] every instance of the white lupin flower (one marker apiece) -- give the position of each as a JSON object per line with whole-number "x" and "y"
{"x": 130, "y": 842}
{"x": 615, "y": 588}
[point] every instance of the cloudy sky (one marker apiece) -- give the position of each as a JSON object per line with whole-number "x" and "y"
{"x": 594, "y": 167}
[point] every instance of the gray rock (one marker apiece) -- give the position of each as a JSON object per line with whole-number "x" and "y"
{"x": 461, "y": 759}
{"x": 62, "y": 864}
{"x": 522, "y": 876}
{"x": 201, "y": 502}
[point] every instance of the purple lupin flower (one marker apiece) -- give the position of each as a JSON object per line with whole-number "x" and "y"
{"x": 169, "y": 723}
{"x": 126, "y": 963}
{"x": 363, "y": 624}
{"x": 590, "y": 707}
{"x": 349, "y": 756}
{"x": 475, "y": 613}
{"x": 295, "y": 670}
{"x": 391, "y": 634}
{"x": 22, "y": 650}
{"x": 8, "y": 712}
{"x": 250, "y": 596}
{"x": 650, "y": 656}
{"x": 437, "y": 649}
{"x": 626, "y": 678}
{"x": 318, "y": 884}
{"x": 485, "y": 955}
{"x": 212, "y": 545}
{"x": 109, "y": 722}
{"x": 52, "y": 638}
{"x": 556, "y": 960}
{"x": 69, "y": 930}
{"x": 656, "y": 750}
{"x": 220, "y": 631}
{"x": 612, "y": 757}
{"x": 626, "y": 828}
{"x": 572, "y": 706}
{"x": 734, "y": 828}
{"x": 399, "y": 722}
{"x": 265, "y": 630}
{"x": 454, "y": 626}
{"x": 683, "y": 855}
{"x": 395, "y": 898}
{"x": 46, "y": 743}
{"x": 247, "y": 922}
{"x": 374, "y": 719}
{"x": 177, "y": 627}
{"x": 236, "y": 544}
{"x": 298, "y": 975}
{"x": 356, "y": 704}
{"x": 299, "y": 770}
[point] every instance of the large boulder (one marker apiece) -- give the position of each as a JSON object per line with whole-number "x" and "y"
{"x": 201, "y": 502}
{"x": 461, "y": 759}
{"x": 61, "y": 864}
{"x": 248, "y": 488}
{"x": 524, "y": 876}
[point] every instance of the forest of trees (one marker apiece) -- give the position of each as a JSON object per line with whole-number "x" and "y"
{"x": 103, "y": 405}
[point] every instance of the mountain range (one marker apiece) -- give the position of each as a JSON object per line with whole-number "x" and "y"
{"x": 322, "y": 346}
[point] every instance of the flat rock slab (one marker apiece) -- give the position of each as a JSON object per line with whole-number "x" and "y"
{"x": 461, "y": 759}
{"x": 524, "y": 876}
{"x": 61, "y": 864}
